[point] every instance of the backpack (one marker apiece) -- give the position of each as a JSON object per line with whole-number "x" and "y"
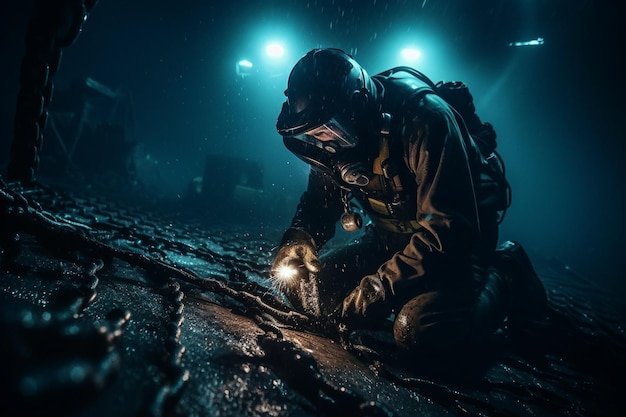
{"x": 492, "y": 188}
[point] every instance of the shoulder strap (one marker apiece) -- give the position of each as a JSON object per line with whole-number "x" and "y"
{"x": 382, "y": 164}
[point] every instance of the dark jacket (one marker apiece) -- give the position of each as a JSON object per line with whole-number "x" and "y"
{"x": 445, "y": 204}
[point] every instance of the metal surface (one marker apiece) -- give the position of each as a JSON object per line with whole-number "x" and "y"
{"x": 121, "y": 307}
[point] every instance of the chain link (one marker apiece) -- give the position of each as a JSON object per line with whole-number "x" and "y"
{"x": 55, "y": 25}
{"x": 302, "y": 372}
{"x": 28, "y": 217}
{"x": 175, "y": 377}
{"x": 20, "y": 214}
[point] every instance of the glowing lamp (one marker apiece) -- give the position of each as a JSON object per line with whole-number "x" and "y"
{"x": 410, "y": 54}
{"x": 274, "y": 50}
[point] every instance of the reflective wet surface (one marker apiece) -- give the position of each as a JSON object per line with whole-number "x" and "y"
{"x": 140, "y": 307}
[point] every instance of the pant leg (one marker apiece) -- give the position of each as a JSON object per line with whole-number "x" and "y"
{"x": 455, "y": 317}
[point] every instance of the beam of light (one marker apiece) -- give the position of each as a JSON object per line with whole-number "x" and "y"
{"x": 245, "y": 63}
{"x": 532, "y": 42}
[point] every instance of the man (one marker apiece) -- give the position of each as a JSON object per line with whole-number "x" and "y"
{"x": 393, "y": 147}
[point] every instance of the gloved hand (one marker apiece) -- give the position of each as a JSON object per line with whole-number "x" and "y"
{"x": 295, "y": 259}
{"x": 369, "y": 291}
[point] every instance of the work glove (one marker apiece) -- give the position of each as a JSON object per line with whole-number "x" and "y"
{"x": 369, "y": 291}
{"x": 295, "y": 259}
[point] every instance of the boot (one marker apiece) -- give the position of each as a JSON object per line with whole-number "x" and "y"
{"x": 527, "y": 296}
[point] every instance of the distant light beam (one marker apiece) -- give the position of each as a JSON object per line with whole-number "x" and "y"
{"x": 532, "y": 42}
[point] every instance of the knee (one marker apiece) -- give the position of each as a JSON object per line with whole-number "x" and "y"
{"x": 420, "y": 327}
{"x": 405, "y": 329}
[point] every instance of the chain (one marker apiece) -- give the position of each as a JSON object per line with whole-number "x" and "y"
{"x": 22, "y": 215}
{"x": 301, "y": 371}
{"x": 27, "y": 216}
{"x": 55, "y": 24}
{"x": 19, "y": 214}
{"x": 175, "y": 377}
{"x": 345, "y": 200}
{"x": 60, "y": 352}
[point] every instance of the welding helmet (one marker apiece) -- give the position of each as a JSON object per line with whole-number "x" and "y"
{"x": 327, "y": 92}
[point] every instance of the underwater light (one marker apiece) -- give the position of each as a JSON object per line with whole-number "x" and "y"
{"x": 532, "y": 42}
{"x": 244, "y": 68}
{"x": 410, "y": 54}
{"x": 275, "y": 50}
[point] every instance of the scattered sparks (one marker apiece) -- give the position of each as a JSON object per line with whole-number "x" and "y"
{"x": 283, "y": 276}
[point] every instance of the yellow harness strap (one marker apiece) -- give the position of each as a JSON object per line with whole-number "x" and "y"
{"x": 383, "y": 154}
{"x": 380, "y": 164}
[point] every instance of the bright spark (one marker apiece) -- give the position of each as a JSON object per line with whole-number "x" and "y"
{"x": 286, "y": 272}
{"x": 283, "y": 276}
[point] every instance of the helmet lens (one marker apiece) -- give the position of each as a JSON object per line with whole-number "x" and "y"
{"x": 333, "y": 134}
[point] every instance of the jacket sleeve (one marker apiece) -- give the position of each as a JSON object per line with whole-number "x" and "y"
{"x": 317, "y": 212}
{"x": 435, "y": 152}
